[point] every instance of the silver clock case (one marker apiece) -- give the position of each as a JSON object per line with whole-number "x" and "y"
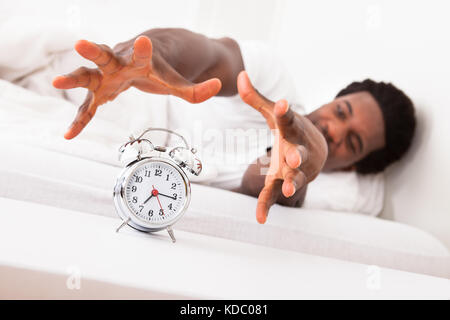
{"x": 121, "y": 205}
{"x": 185, "y": 158}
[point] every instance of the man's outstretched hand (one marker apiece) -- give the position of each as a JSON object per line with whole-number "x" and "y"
{"x": 131, "y": 64}
{"x": 299, "y": 150}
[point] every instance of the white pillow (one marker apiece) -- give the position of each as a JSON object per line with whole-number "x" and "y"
{"x": 347, "y": 191}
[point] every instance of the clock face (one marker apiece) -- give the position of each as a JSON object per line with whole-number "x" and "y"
{"x": 155, "y": 192}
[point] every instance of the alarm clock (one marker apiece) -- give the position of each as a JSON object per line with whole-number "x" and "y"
{"x": 153, "y": 191}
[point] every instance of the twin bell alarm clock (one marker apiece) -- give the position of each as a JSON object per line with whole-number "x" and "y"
{"x": 153, "y": 190}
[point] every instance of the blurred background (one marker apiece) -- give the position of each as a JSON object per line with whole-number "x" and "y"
{"x": 326, "y": 45}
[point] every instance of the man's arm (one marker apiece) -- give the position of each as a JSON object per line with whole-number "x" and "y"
{"x": 160, "y": 61}
{"x": 297, "y": 156}
{"x": 194, "y": 56}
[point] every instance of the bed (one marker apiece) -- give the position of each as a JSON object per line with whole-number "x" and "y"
{"x": 41, "y": 175}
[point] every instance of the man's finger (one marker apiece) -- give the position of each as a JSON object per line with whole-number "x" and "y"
{"x": 285, "y": 116}
{"x": 82, "y": 77}
{"x": 85, "y": 113}
{"x": 287, "y": 121}
{"x": 294, "y": 180}
{"x": 296, "y": 155}
{"x": 205, "y": 90}
{"x": 100, "y": 54}
{"x": 200, "y": 92}
{"x": 254, "y": 99}
{"x": 142, "y": 53}
{"x": 267, "y": 197}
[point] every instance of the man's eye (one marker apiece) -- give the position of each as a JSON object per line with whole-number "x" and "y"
{"x": 340, "y": 112}
{"x": 351, "y": 145}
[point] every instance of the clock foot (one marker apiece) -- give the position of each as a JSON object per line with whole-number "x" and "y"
{"x": 123, "y": 224}
{"x": 170, "y": 231}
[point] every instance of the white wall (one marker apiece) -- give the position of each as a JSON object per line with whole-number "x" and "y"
{"x": 405, "y": 42}
{"x": 326, "y": 44}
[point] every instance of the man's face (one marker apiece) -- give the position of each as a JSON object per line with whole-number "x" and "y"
{"x": 353, "y": 127}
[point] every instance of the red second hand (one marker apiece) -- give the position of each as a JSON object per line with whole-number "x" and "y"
{"x": 157, "y": 198}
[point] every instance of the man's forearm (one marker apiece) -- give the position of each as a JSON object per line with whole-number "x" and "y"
{"x": 196, "y": 57}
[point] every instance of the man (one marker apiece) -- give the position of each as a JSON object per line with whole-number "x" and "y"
{"x": 368, "y": 126}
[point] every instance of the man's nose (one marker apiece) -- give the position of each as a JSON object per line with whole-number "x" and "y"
{"x": 336, "y": 132}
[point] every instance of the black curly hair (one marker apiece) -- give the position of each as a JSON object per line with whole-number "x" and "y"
{"x": 399, "y": 123}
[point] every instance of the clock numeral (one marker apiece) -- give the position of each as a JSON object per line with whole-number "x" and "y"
{"x": 147, "y": 173}
{"x": 158, "y": 172}
{"x": 167, "y": 178}
{"x": 174, "y": 186}
{"x": 133, "y": 189}
{"x": 141, "y": 207}
{"x": 175, "y": 196}
{"x": 161, "y": 212}
{"x": 138, "y": 179}
{"x": 134, "y": 200}
{"x": 150, "y": 213}
{"x": 170, "y": 206}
